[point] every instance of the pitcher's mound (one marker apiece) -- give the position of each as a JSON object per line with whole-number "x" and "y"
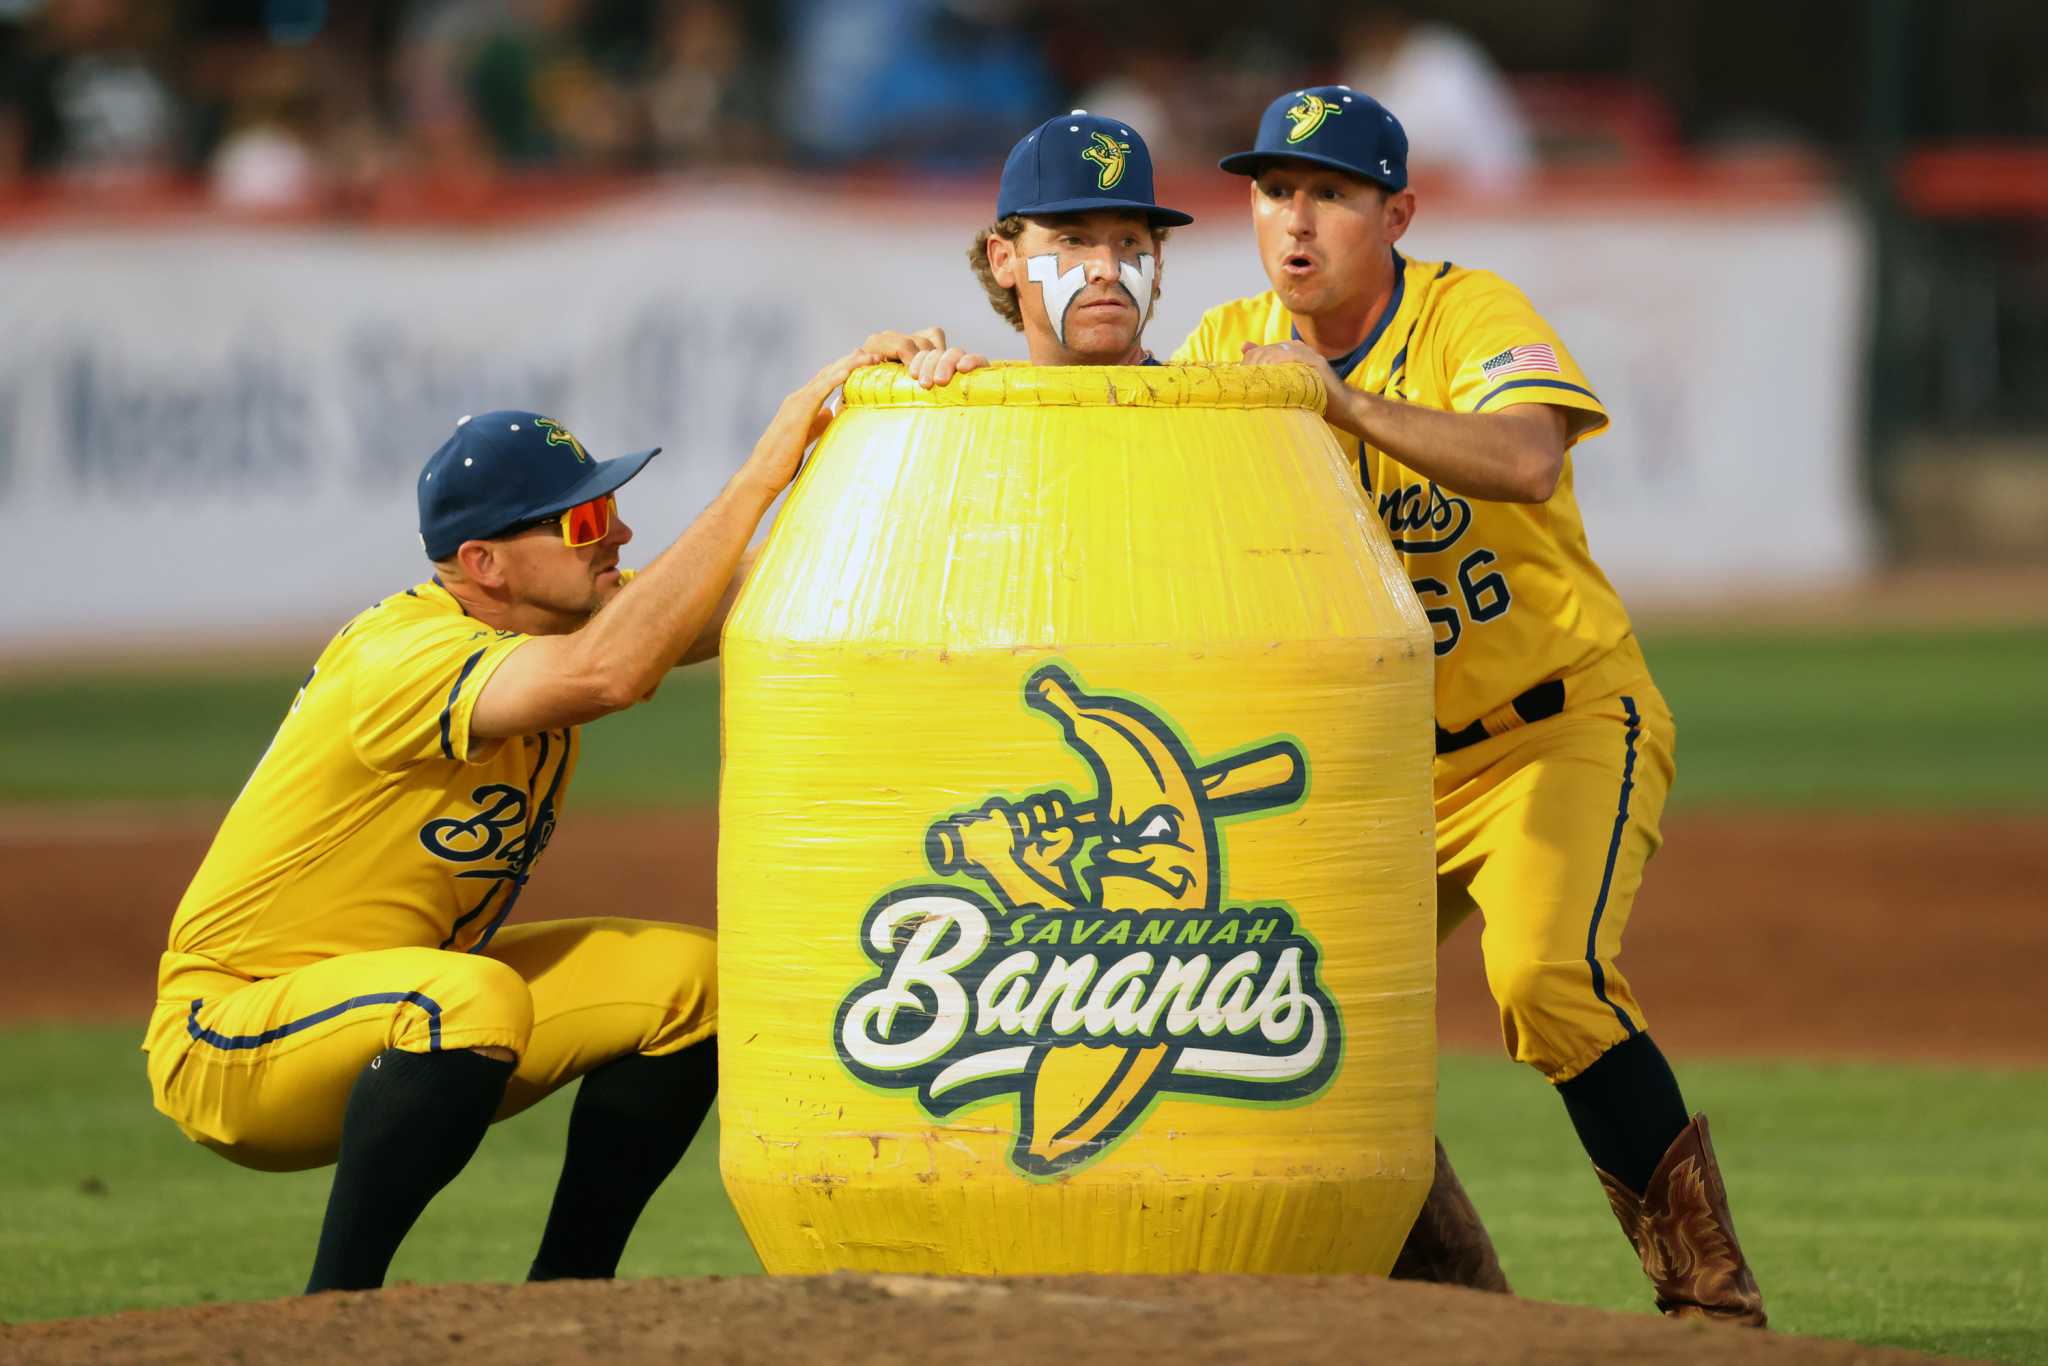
{"x": 1044, "y": 1321}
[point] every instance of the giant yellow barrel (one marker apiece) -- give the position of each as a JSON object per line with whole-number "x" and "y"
{"x": 1076, "y": 889}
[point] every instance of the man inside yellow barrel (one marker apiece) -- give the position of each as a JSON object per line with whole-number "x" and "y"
{"x": 1072, "y": 259}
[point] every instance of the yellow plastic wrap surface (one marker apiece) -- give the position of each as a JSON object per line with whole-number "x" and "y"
{"x": 1076, "y": 882}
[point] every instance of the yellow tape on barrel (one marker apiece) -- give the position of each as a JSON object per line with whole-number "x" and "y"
{"x": 1076, "y": 889}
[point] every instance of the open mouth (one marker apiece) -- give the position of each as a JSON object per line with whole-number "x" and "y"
{"x": 1298, "y": 263}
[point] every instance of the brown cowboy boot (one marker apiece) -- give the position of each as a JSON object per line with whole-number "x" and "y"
{"x": 1681, "y": 1229}
{"x": 1449, "y": 1244}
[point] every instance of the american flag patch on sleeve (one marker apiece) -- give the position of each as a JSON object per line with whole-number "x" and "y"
{"x": 1520, "y": 359}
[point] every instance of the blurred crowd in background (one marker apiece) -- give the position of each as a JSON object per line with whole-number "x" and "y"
{"x": 334, "y": 104}
{"x": 1923, "y": 122}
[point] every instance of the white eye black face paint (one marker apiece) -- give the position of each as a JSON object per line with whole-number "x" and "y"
{"x": 1059, "y": 290}
{"x": 1138, "y": 280}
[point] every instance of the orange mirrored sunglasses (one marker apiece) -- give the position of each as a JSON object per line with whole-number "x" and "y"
{"x": 585, "y": 524}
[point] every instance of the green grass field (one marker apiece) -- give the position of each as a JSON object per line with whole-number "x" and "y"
{"x": 1889, "y": 1205}
{"x": 1954, "y": 720}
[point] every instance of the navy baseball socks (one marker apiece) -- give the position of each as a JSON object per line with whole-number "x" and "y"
{"x": 633, "y": 1120}
{"x": 1658, "y": 1168}
{"x": 413, "y": 1121}
{"x": 1627, "y": 1109}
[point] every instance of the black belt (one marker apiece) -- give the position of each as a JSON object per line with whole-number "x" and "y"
{"x": 1545, "y": 699}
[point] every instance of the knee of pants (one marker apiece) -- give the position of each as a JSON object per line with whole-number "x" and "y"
{"x": 277, "y": 1104}
{"x": 607, "y": 986}
{"x": 675, "y": 966}
{"x": 1550, "y": 1016}
{"x": 483, "y": 1004}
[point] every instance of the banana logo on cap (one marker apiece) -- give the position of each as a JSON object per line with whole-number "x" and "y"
{"x": 558, "y": 435}
{"x": 1307, "y": 114}
{"x": 1101, "y": 974}
{"x": 1107, "y": 153}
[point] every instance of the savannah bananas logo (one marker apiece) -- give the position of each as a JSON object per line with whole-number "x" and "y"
{"x": 558, "y": 435}
{"x": 1098, "y": 966}
{"x": 1107, "y": 153}
{"x": 1307, "y": 115}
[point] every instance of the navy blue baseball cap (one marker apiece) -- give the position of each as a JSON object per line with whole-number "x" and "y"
{"x": 1079, "y": 162}
{"x": 504, "y": 468}
{"x": 1330, "y": 125}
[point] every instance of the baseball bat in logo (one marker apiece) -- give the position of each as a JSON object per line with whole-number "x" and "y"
{"x": 1088, "y": 961}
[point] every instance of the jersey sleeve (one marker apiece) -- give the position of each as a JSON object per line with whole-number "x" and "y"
{"x": 1497, "y": 351}
{"x": 416, "y": 685}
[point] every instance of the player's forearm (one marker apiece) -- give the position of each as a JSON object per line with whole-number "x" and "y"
{"x": 675, "y": 602}
{"x": 1514, "y": 456}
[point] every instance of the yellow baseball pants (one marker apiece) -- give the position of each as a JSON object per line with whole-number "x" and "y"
{"x": 1544, "y": 830}
{"x": 260, "y": 1071}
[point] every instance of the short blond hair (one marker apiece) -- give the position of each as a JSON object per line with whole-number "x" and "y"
{"x": 1003, "y": 298}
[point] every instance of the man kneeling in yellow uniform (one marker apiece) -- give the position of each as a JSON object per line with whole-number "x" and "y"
{"x": 340, "y": 984}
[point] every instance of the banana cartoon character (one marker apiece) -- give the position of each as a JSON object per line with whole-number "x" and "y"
{"x": 1307, "y": 114}
{"x": 1151, "y": 843}
{"x": 558, "y": 435}
{"x": 1107, "y": 153}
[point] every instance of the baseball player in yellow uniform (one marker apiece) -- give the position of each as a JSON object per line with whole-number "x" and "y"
{"x": 342, "y": 983}
{"x": 1554, "y": 747}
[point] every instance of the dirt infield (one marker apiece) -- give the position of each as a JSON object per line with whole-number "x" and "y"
{"x": 1815, "y": 936}
{"x": 1894, "y": 937}
{"x": 1073, "y": 1321}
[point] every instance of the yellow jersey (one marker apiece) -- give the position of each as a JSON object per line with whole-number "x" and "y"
{"x": 375, "y": 820}
{"x": 1511, "y": 589}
